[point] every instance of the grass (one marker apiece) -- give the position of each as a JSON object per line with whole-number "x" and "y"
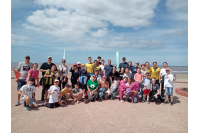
{"x": 185, "y": 89}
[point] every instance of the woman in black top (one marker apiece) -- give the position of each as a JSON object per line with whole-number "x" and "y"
{"x": 75, "y": 74}
{"x": 121, "y": 73}
{"x": 113, "y": 74}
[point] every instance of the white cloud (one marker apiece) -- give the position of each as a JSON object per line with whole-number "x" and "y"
{"x": 176, "y": 33}
{"x": 17, "y": 39}
{"x": 100, "y": 32}
{"x": 178, "y": 8}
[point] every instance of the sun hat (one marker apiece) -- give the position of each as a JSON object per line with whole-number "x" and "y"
{"x": 74, "y": 64}
{"x": 104, "y": 76}
{"x": 31, "y": 79}
{"x": 96, "y": 70}
{"x": 167, "y": 69}
{"x": 78, "y": 63}
{"x": 56, "y": 80}
{"x": 83, "y": 65}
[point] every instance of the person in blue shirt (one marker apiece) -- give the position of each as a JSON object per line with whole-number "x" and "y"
{"x": 107, "y": 69}
{"x": 134, "y": 69}
{"x": 124, "y": 64}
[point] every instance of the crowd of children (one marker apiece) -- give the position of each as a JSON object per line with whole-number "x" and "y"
{"x": 87, "y": 86}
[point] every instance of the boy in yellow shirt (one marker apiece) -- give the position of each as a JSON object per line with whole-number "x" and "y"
{"x": 65, "y": 93}
{"x": 89, "y": 67}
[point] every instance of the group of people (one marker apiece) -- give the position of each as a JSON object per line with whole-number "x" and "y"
{"x": 92, "y": 81}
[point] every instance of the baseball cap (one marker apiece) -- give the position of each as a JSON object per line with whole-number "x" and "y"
{"x": 78, "y": 63}
{"x": 56, "y": 80}
{"x": 49, "y": 57}
{"x": 74, "y": 64}
{"x": 104, "y": 76}
{"x": 31, "y": 79}
{"x": 167, "y": 69}
{"x": 124, "y": 58}
{"x": 83, "y": 65}
{"x": 66, "y": 85}
{"x": 96, "y": 70}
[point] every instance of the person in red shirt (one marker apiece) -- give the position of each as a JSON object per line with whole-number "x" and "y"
{"x": 138, "y": 77}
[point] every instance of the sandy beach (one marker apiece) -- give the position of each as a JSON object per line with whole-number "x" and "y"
{"x": 180, "y": 77}
{"x": 99, "y": 117}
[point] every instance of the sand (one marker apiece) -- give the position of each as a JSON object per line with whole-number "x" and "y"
{"x": 109, "y": 116}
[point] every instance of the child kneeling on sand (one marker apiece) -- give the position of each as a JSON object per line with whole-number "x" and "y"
{"x": 104, "y": 88}
{"x": 114, "y": 87}
{"x": 168, "y": 84}
{"x": 65, "y": 93}
{"x": 54, "y": 95}
{"x": 122, "y": 88}
{"x": 27, "y": 92}
{"x": 76, "y": 94}
{"x": 147, "y": 87}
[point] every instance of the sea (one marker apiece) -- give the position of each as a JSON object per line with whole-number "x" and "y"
{"x": 175, "y": 69}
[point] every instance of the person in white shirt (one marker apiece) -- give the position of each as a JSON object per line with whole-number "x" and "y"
{"x": 97, "y": 76}
{"x": 102, "y": 67}
{"x": 27, "y": 92}
{"x": 162, "y": 74}
{"x": 54, "y": 95}
{"x": 168, "y": 85}
{"x": 127, "y": 73}
{"x": 62, "y": 74}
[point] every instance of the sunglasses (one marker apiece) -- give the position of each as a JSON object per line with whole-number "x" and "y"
{"x": 79, "y": 64}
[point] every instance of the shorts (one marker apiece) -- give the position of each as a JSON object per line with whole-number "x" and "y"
{"x": 47, "y": 86}
{"x": 146, "y": 91}
{"x": 21, "y": 82}
{"x": 63, "y": 97}
{"x": 31, "y": 101}
{"x": 169, "y": 90}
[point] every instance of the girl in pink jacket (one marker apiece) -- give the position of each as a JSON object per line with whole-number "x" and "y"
{"x": 122, "y": 88}
{"x": 135, "y": 88}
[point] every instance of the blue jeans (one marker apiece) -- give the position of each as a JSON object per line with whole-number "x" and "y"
{"x": 101, "y": 92}
{"x": 169, "y": 90}
{"x": 21, "y": 82}
{"x": 113, "y": 94}
{"x": 140, "y": 92}
{"x": 83, "y": 79}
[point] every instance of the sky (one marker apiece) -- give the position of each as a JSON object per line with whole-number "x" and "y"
{"x": 141, "y": 30}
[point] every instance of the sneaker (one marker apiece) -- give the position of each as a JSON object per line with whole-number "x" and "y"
{"x": 165, "y": 102}
{"x": 132, "y": 102}
{"x": 172, "y": 103}
{"x": 28, "y": 108}
{"x": 105, "y": 96}
{"x": 24, "y": 104}
{"x": 86, "y": 101}
{"x": 17, "y": 103}
{"x": 148, "y": 102}
{"x": 44, "y": 103}
{"x": 143, "y": 100}
{"x": 122, "y": 101}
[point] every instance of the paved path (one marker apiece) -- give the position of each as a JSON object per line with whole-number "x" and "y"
{"x": 100, "y": 117}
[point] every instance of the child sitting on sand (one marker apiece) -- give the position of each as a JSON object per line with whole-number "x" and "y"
{"x": 104, "y": 88}
{"x": 27, "y": 92}
{"x": 128, "y": 91}
{"x": 122, "y": 88}
{"x": 147, "y": 87}
{"x": 65, "y": 92}
{"x": 54, "y": 95}
{"x": 115, "y": 87}
{"x": 168, "y": 85}
{"x": 76, "y": 93}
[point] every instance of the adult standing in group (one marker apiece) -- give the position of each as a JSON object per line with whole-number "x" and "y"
{"x": 107, "y": 69}
{"x": 114, "y": 74}
{"x": 121, "y": 73}
{"x": 62, "y": 74}
{"x": 89, "y": 67}
{"x": 102, "y": 67}
{"x": 23, "y": 69}
{"x": 124, "y": 64}
{"x": 75, "y": 74}
{"x": 99, "y": 60}
{"x": 46, "y": 66}
{"x": 162, "y": 75}
{"x": 134, "y": 69}
{"x": 130, "y": 65}
{"x": 79, "y": 65}
{"x": 147, "y": 67}
{"x": 96, "y": 66}
{"x": 155, "y": 73}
